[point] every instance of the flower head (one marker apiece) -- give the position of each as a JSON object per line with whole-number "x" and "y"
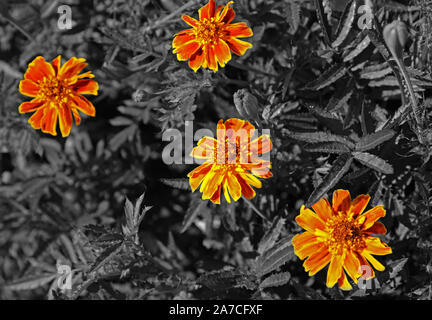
{"x": 342, "y": 236}
{"x": 232, "y": 162}
{"x": 211, "y": 38}
{"x": 57, "y": 93}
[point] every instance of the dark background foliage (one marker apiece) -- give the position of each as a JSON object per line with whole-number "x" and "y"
{"x": 340, "y": 116}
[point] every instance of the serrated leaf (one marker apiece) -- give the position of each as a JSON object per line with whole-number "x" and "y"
{"x": 340, "y": 166}
{"x": 271, "y": 236}
{"x": 375, "y": 139}
{"x": 328, "y": 77}
{"x": 196, "y": 206}
{"x": 374, "y": 162}
{"x": 182, "y": 184}
{"x": 315, "y": 137}
{"x": 328, "y": 147}
{"x": 358, "y": 49}
{"x": 275, "y": 257}
{"x": 345, "y": 23}
{"x": 121, "y": 137}
{"x": 275, "y": 280}
{"x": 31, "y": 283}
{"x": 322, "y": 19}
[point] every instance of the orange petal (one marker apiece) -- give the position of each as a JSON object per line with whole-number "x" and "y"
{"x": 238, "y": 30}
{"x": 246, "y": 189}
{"x": 72, "y": 68}
{"x": 183, "y": 38}
{"x": 251, "y": 180}
{"x": 56, "y": 64}
{"x": 35, "y": 119}
{"x": 208, "y": 11}
{"x": 233, "y": 186}
{"x": 376, "y": 264}
{"x": 30, "y": 106}
{"x": 196, "y": 60}
{"x": 309, "y": 249}
{"x": 39, "y": 69}
{"x": 210, "y": 183}
{"x": 343, "y": 282}
{"x": 86, "y": 86}
{"x": 341, "y": 200}
{"x": 237, "y": 46}
{"x": 85, "y": 106}
{"x": 335, "y": 270}
{"x": 216, "y": 196}
{"x": 197, "y": 175}
{"x": 351, "y": 266}
{"x": 367, "y": 272}
{"x": 309, "y": 221}
{"x": 303, "y": 239}
{"x": 323, "y": 209}
{"x": 29, "y": 88}
{"x": 261, "y": 145}
{"x": 65, "y": 120}
{"x": 49, "y": 121}
{"x": 76, "y": 116}
{"x": 359, "y": 204}
{"x": 187, "y": 50}
{"x": 190, "y": 21}
{"x": 211, "y": 59}
{"x": 371, "y": 216}
{"x": 375, "y": 246}
{"x": 317, "y": 261}
{"x": 222, "y": 52}
{"x": 227, "y": 14}
{"x": 377, "y": 228}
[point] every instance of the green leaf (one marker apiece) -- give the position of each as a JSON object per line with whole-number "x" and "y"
{"x": 360, "y": 46}
{"x": 374, "y": 162}
{"x": 322, "y": 19}
{"x": 375, "y": 139}
{"x": 275, "y": 280}
{"x": 340, "y": 166}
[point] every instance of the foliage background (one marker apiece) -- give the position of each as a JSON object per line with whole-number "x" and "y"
{"x": 340, "y": 117}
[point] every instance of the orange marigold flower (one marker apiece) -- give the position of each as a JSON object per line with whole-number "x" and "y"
{"x": 57, "y": 91}
{"x": 232, "y": 162}
{"x": 211, "y": 38}
{"x": 342, "y": 236}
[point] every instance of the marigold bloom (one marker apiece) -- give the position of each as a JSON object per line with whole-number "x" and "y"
{"x": 232, "y": 162}
{"x": 57, "y": 91}
{"x": 342, "y": 236}
{"x": 211, "y": 38}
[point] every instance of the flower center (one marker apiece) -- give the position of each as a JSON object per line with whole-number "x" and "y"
{"x": 209, "y": 31}
{"x": 54, "y": 90}
{"x": 230, "y": 154}
{"x": 345, "y": 234}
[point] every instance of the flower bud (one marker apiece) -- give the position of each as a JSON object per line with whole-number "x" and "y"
{"x": 396, "y": 36}
{"x": 247, "y": 105}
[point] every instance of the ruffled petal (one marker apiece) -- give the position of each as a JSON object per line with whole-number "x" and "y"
{"x": 261, "y": 145}
{"x": 76, "y": 116}
{"x": 323, "y": 209}
{"x": 227, "y": 14}
{"x": 377, "y": 228}
{"x": 56, "y": 64}
{"x": 359, "y": 204}
{"x": 352, "y": 266}
{"x": 86, "y": 86}
{"x": 246, "y": 189}
{"x": 375, "y": 246}
{"x": 197, "y": 59}
{"x": 341, "y": 200}
{"x": 72, "y": 68}
{"x": 39, "y": 69}
{"x": 309, "y": 221}
{"x": 317, "y": 261}
{"x": 183, "y": 37}
{"x": 190, "y": 21}
{"x": 187, "y": 50}
{"x": 234, "y": 187}
{"x": 216, "y": 196}
{"x": 49, "y": 121}
{"x": 65, "y": 120}
{"x": 222, "y": 52}
{"x": 29, "y": 88}
{"x": 210, "y": 57}
{"x": 197, "y": 175}
{"x": 35, "y": 119}
{"x": 237, "y": 46}
{"x": 85, "y": 106}
{"x": 370, "y": 217}
{"x": 208, "y": 11}
{"x": 335, "y": 270}
{"x": 30, "y": 106}
{"x": 376, "y": 264}
{"x": 343, "y": 282}
{"x": 238, "y": 30}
